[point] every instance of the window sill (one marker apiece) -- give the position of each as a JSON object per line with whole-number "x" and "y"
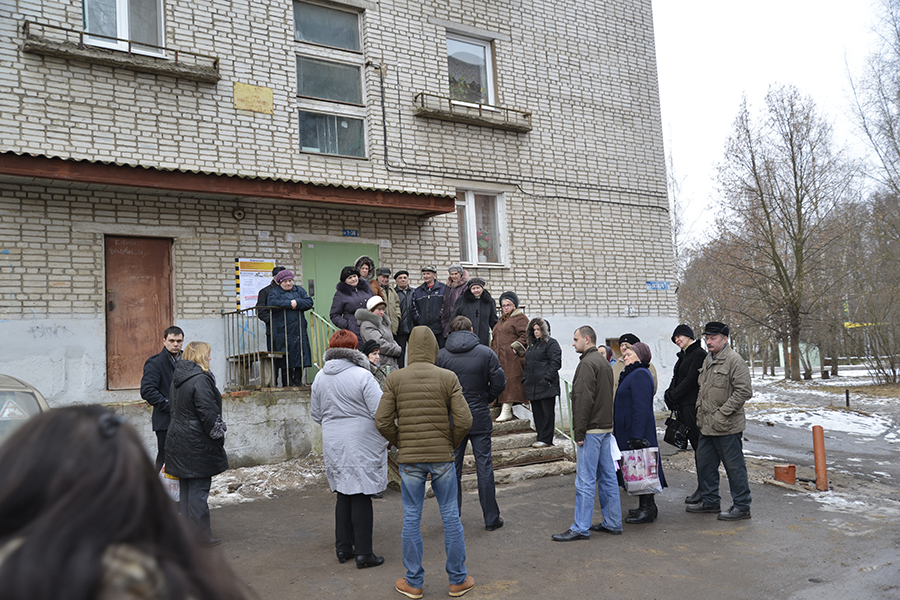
{"x": 430, "y": 106}
{"x": 495, "y": 266}
{"x": 47, "y": 40}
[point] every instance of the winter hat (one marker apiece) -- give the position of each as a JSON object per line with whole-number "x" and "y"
{"x": 643, "y": 351}
{"x": 277, "y": 270}
{"x": 511, "y": 296}
{"x": 368, "y": 347}
{"x": 374, "y": 301}
{"x": 683, "y": 330}
{"x": 477, "y": 281}
{"x": 429, "y": 268}
{"x": 715, "y": 328}
{"x": 282, "y": 275}
{"x": 629, "y": 338}
{"x": 455, "y": 267}
{"x": 383, "y": 271}
{"x": 401, "y": 272}
{"x": 348, "y": 271}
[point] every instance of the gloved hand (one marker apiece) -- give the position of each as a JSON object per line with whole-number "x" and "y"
{"x": 667, "y": 396}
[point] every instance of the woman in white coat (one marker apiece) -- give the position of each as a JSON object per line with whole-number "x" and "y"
{"x": 345, "y": 397}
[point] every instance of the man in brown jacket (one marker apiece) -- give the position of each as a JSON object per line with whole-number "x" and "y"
{"x": 592, "y": 418}
{"x": 424, "y": 413}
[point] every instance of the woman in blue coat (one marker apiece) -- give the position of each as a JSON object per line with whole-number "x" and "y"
{"x": 633, "y": 419}
{"x": 294, "y": 301}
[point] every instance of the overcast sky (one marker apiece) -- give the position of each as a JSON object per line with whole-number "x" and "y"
{"x": 712, "y": 52}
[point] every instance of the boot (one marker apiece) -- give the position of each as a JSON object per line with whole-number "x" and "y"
{"x": 506, "y": 414}
{"x": 647, "y": 511}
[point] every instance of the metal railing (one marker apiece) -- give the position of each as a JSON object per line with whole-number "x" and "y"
{"x": 134, "y": 48}
{"x": 251, "y": 362}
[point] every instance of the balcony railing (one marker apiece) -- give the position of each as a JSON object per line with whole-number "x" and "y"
{"x": 443, "y": 108}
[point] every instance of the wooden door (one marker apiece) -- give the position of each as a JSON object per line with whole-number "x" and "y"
{"x": 138, "y": 305}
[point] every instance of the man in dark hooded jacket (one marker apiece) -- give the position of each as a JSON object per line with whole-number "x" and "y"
{"x": 482, "y": 379}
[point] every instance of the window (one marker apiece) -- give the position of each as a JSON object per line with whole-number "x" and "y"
{"x": 138, "y": 21}
{"x": 471, "y": 70}
{"x": 331, "y": 134}
{"x": 331, "y": 96}
{"x": 482, "y": 229}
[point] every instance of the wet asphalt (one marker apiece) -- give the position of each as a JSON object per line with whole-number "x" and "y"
{"x": 794, "y": 547}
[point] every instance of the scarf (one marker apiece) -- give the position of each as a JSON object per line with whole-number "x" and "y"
{"x": 630, "y": 368}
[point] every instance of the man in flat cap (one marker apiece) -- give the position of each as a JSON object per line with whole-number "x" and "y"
{"x": 428, "y": 303}
{"x": 724, "y": 388}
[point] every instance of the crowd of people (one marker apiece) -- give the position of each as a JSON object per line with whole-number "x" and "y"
{"x": 419, "y": 369}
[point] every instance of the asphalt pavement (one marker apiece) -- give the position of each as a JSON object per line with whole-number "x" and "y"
{"x": 795, "y": 547}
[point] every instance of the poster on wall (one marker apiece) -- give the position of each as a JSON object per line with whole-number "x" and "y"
{"x": 250, "y": 276}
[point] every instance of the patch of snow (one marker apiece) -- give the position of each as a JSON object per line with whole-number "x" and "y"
{"x": 247, "y": 484}
{"x": 831, "y": 419}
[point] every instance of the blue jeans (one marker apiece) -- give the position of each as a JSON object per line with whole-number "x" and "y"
{"x": 594, "y": 467}
{"x": 412, "y": 489}
{"x": 729, "y": 450}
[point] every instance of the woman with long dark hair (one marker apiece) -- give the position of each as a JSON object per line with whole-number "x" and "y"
{"x": 543, "y": 360}
{"x": 634, "y": 424}
{"x": 195, "y": 444}
{"x": 345, "y": 397}
{"x": 82, "y": 508}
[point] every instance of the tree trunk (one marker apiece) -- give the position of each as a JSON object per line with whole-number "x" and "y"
{"x": 786, "y": 363}
{"x": 795, "y": 345}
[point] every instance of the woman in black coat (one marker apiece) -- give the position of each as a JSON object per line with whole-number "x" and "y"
{"x": 195, "y": 444}
{"x": 477, "y": 305}
{"x": 681, "y": 397}
{"x": 634, "y": 421}
{"x": 294, "y": 301}
{"x": 543, "y": 360}
{"x": 351, "y": 294}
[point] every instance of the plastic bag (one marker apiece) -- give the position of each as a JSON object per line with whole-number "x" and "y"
{"x": 171, "y": 484}
{"x": 640, "y": 471}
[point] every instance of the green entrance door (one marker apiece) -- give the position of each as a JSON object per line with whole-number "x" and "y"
{"x": 322, "y": 264}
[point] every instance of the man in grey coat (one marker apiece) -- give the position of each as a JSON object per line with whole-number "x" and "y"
{"x": 724, "y": 388}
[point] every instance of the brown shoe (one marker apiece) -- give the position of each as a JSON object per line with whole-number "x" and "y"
{"x": 462, "y": 588}
{"x": 407, "y": 590}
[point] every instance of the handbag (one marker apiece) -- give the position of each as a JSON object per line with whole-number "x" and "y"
{"x": 676, "y": 433}
{"x": 640, "y": 471}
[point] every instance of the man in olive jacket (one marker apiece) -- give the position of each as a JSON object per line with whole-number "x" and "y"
{"x": 592, "y": 419}
{"x": 724, "y": 388}
{"x": 424, "y": 413}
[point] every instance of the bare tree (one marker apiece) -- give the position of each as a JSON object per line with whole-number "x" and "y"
{"x": 783, "y": 184}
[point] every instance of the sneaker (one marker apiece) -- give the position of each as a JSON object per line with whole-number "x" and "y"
{"x": 407, "y": 590}
{"x": 462, "y": 588}
{"x": 540, "y": 445}
{"x": 734, "y": 514}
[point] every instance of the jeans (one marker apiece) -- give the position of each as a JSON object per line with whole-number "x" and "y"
{"x": 412, "y": 488}
{"x": 484, "y": 466}
{"x": 594, "y": 466}
{"x": 729, "y": 451}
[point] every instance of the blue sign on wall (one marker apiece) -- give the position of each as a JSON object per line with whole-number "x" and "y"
{"x": 658, "y": 285}
{"x": 351, "y": 233}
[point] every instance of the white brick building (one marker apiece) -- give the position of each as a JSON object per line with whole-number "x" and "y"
{"x": 246, "y": 129}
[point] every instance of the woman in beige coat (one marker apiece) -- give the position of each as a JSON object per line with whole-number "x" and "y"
{"x": 508, "y": 342}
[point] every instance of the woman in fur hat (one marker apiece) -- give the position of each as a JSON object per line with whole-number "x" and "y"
{"x": 477, "y": 305}
{"x": 509, "y": 339}
{"x": 352, "y": 293}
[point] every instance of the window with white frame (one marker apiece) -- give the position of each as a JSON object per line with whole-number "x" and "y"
{"x": 471, "y": 69}
{"x": 121, "y": 21}
{"x": 482, "y": 227}
{"x": 330, "y": 71}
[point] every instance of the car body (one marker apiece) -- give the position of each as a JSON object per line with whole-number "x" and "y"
{"x": 18, "y": 403}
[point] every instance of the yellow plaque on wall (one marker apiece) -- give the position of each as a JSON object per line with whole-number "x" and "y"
{"x": 253, "y": 97}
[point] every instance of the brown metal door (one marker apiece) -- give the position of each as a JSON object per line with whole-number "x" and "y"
{"x": 138, "y": 305}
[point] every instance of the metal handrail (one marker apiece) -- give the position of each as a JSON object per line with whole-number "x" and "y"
{"x": 321, "y": 331}
{"x": 162, "y": 50}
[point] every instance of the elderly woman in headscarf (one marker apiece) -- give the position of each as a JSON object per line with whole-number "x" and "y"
{"x": 352, "y": 293}
{"x": 375, "y": 326}
{"x": 634, "y": 424}
{"x": 456, "y": 285}
{"x": 477, "y": 305}
{"x": 289, "y": 324}
{"x": 508, "y": 343}
{"x": 344, "y": 399}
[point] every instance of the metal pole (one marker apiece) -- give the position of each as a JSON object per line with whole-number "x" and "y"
{"x": 847, "y": 397}
{"x": 819, "y": 452}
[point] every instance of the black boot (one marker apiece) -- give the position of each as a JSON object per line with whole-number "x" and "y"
{"x": 646, "y": 512}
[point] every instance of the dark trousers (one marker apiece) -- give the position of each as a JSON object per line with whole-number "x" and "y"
{"x": 484, "y": 468}
{"x": 296, "y": 376}
{"x": 160, "y": 449}
{"x": 193, "y": 503}
{"x": 544, "y": 411}
{"x": 727, "y": 450}
{"x": 353, "y": 522}
{"x": 402, "y": 339}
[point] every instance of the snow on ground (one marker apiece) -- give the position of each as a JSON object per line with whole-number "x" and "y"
{"x": 265, "y": 481}
{"x": 831, "y": 418}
